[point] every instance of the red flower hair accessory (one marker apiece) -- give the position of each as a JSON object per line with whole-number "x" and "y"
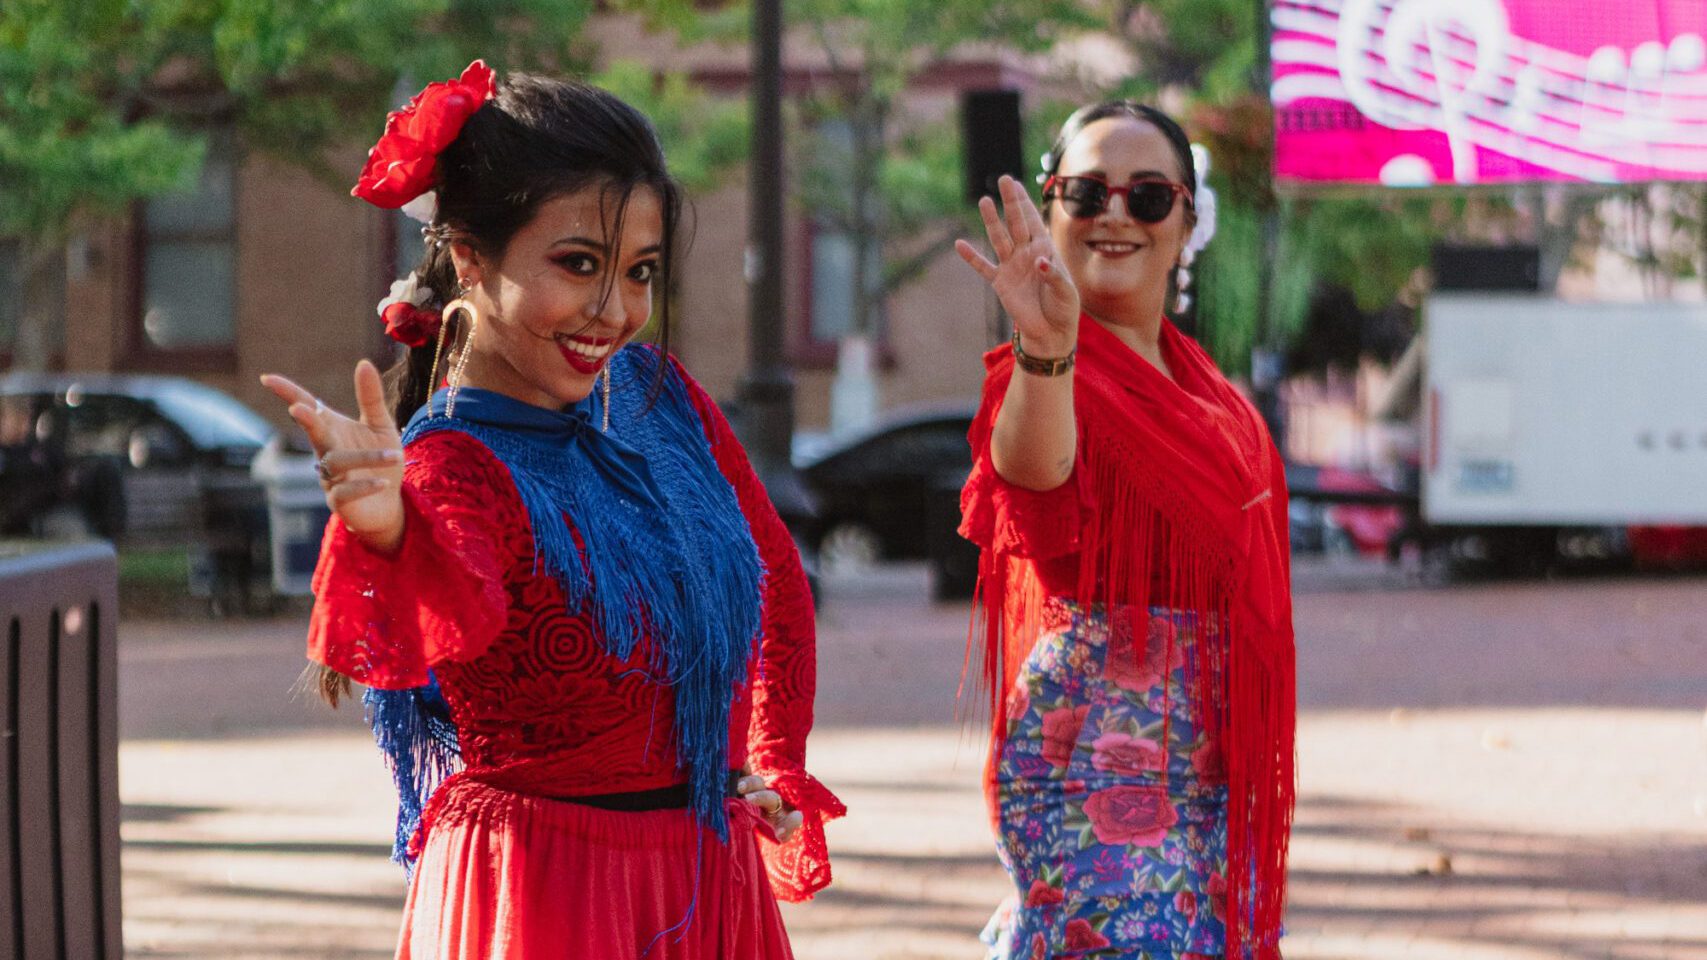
{"x": 400, "y": 167}
{"x": 408, "y": 319}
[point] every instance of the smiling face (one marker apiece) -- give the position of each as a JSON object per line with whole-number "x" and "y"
{"x": 567, "y": 293}
{"x": 1120, "y": 264}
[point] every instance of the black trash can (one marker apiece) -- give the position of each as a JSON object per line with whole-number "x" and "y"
{"x": 59, "y": 771}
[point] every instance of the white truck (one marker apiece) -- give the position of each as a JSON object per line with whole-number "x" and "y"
{"x": 1551, "y": 427}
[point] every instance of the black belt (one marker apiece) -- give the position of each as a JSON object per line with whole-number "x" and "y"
{"x": 673, "y": 797}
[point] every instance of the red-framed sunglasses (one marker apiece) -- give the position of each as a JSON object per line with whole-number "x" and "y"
{"x": 1149, "y": 200}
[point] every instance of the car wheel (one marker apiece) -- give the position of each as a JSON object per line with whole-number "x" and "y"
{"x": 849, "y": 548}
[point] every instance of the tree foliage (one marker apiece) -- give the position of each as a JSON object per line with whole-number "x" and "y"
{"x": 101, "y": 100}
{"x": 867, "y": 165}
{"x": 107, "y": 102}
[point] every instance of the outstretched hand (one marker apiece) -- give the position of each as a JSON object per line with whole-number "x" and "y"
{"x": 360, "y": 460}
{"x": 1027, "y": 276}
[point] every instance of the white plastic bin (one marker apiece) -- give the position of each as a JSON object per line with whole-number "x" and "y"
{"x": 296, "y": 514}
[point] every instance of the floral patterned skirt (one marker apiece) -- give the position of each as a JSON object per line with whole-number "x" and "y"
{"x": 1110, "y": 858}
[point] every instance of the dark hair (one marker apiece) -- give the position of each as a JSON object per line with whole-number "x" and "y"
{"x": 538, "y": 139}
{"x": 1144, "y": 113}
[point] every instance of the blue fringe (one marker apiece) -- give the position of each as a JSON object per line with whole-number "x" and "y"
{"x": 667, "y": 554}
{"x": 414, "y": 730}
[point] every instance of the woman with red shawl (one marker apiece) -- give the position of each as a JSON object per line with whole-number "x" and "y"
{"x": 586, "y": 634}
{"x": 1131, "y": 512}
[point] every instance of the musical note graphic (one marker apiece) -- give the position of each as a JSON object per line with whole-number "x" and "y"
{"x": 1508, "y": 107}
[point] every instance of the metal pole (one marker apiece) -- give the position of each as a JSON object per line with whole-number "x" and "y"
{"x": 1267, "y": 358}
{"x": 766, "y": 393}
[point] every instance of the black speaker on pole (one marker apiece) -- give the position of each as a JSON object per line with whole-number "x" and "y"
{"x": 990, "y": 134}
{"x": 1512, "y": 268}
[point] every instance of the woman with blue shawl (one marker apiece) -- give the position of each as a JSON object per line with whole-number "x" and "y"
{"x": 585, "y": 633}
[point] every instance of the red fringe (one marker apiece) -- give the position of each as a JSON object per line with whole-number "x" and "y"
{"x": 1155, "y": 540}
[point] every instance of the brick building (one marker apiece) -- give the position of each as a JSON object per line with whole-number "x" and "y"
{"x": 264, "y": 268}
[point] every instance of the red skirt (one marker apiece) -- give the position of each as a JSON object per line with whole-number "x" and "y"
{"x": 504, "y": 876}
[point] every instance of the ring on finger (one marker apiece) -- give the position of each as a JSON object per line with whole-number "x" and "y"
{"x": 323, "y": 469}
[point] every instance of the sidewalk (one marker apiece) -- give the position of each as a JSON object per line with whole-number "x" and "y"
{"x": 1502, "y": 773}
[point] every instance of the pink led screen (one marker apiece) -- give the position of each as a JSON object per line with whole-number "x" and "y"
{"x": 1420, "y": 92}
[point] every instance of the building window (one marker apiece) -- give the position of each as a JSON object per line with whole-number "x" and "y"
{"x": 187, "y": 257}
{"x": 832, "y": 313}
{"x": 831, "y": 264}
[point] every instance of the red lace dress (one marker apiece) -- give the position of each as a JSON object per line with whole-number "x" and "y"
{"x": 508, "y": 869}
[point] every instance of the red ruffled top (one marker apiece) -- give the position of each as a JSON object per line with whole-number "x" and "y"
{"x": 540, "y": 707}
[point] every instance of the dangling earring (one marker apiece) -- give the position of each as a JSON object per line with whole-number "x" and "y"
{"x": 438, "y": 351}
{"x": 606, "y": 428}
{"x": 1182, "y": 282}
{"x": 467, "y": 345}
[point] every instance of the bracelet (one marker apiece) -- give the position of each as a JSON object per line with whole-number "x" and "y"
{"x": 1038, "y": 365}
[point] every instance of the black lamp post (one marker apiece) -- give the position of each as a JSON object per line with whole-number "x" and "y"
{"x": 766, "y": 393}
{"x": 1268, "y": 365}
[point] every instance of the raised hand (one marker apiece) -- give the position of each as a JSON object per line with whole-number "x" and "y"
{"x": 1027, "y": 276}
{"x": 360, "y": 460}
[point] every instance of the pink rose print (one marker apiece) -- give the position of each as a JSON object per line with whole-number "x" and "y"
{"x": 1218, "y": 896}
{"x": 1060, "y": 731}
{"x": 1039, "y": 949}
{"x": 1127, "y": 669}
{"x": 1125, "y": 754}
{"x": 1081, "y": 936}
{"x": 1042, "y": 894}
{"x": 1137, "y": 816}
{"x": 1185, "y": 903}
{"x": 1208, "y": 763}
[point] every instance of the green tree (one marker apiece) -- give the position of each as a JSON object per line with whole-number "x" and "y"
{"x": 883, "y": 179}
{"x": 901, "y": 173}
{"x": 101, "y": 101}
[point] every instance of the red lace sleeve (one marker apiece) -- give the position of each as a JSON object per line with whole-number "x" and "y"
{"x": 383, "y": 620}
{"x": 999, "y": 516}
{"x": 786, "y": 678}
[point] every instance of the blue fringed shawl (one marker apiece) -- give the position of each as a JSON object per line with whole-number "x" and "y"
{"x": 668, "y": 555}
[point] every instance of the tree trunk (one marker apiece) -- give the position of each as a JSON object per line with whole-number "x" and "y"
{"x": 1701, "y": 229}
{"x": 41, "y": 320}
{"x": 867, "y": 143}
{"x": 854, "y": 394}
{"x": 1556, "y": 238}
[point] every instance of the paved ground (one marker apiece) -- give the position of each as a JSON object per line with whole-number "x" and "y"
{"x": 1510, "y": 772}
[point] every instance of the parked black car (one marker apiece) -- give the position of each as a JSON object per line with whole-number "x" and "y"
{"x": 145, "y": 461}
{"x": 894, "y": 493}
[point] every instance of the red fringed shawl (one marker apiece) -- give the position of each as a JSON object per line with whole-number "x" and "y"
{"x": 1177, "y": 498}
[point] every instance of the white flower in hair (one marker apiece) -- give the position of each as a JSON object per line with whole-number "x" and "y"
{"x": 1204, "y": 201}
{"x": 423, "y": 208}
{"x": 408, "y": 290}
